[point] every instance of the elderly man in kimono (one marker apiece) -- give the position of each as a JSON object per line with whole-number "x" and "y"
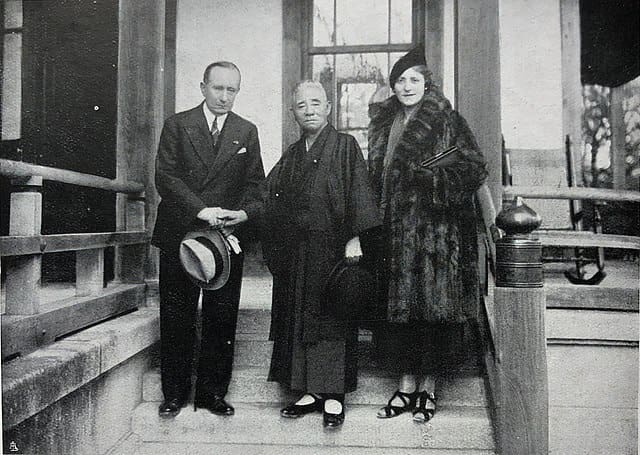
{"x": 318, "y": 207}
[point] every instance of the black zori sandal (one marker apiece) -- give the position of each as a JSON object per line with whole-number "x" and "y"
{"x": 331, "y": 420}
{"x": 409, "y": 400}
{"x": 421, "y": 413}
{"x": 294, "y": 410}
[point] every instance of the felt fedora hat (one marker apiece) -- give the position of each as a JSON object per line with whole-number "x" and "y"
{"x": 205, "y": 257}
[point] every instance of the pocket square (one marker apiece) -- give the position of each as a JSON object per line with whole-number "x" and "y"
{"x": 235, "y": 142}
{"x": 241, "y": 151}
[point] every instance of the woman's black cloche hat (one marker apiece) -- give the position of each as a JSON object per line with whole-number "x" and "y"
{"x": 415, "y": 57}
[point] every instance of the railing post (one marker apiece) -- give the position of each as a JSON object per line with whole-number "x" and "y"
{"x": 89, "y": 271}
{"x": 24, "y": 272}
{"x": 523, "y": 396}
{"x": 130, "y": 259}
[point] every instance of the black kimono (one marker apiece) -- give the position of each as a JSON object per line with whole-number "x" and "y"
{"x": 316, "y": 201}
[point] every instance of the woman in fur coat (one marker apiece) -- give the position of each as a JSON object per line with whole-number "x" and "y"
{"x": 431, "y": 283}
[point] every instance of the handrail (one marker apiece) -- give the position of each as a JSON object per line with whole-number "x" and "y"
{"x": 55, "y": 243}
{"x": 584, "y": 239}
{"x": 10, "y": 168}
{"x": 488, "y": 215}
{"x": 575, "y": 193}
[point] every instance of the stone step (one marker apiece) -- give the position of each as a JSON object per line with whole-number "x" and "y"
{"x": 133, "y": 447}
{"x": 250, "y": 385}
{"x": 254, "y": 321}
{"x": 252, "y": 353}
{"x": 258, "y": 353}
{"x": 253, "y": 325}
{"x": 453, "y": 428}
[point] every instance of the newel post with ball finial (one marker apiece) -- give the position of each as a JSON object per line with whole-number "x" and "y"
{"x": 519, "y": 298}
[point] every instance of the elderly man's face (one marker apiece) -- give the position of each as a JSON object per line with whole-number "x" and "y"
{"x": 311, "y": 108}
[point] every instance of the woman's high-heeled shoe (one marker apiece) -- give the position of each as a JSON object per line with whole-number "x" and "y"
{"x": 390, "y": 410}
{"x": 421, "y": 413}
{"x": 294, "y": 410}
{"x": 331, "y": 420}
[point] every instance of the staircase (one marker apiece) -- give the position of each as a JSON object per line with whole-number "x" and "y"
{"x": 462, "y": 424}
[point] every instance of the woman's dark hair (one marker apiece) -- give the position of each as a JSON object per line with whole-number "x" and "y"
{"x": 422, "y": 69}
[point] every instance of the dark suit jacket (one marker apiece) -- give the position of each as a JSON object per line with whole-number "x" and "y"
{"x": 190, "y": 176}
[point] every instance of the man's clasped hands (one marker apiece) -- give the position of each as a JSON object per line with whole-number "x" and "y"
{"x": 222, "y": 219}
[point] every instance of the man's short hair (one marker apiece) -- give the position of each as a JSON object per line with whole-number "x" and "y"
{"x": 306, "y": 83}
{"x": 220, "y": 64}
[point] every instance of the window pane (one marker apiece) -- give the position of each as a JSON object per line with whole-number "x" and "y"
{"x": 323, "y": 72}
{"x": 401, "y": 23}
{"x": 393, "y": 58}
{"x": 12, "y": 87}
{"x": 362, "y": 22}
{"x": 323, "y": 32}
{"x": 358, "y": 77}
{"x": 12, "y": 13}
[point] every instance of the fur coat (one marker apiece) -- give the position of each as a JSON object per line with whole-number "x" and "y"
{"x": 431, "y": 251}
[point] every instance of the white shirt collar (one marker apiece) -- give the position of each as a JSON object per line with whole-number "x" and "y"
{"x": 210, "y": 116}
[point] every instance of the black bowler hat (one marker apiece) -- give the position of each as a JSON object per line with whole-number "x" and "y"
{"x": 205, "y": 258}
{"x": 350, "y": 292}
{"x": 415, "y": 57}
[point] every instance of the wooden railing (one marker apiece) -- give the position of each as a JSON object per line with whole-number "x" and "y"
{"x": 515, "y": 309}
{"x": 581, "y": 193}
{"x": 29, "y": 322}
{"x": 575, "y": 238}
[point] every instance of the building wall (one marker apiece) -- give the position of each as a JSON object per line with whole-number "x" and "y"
{"x": 91, "y": 419}
{"x": 531, "y": 99}
{"x": 531, "y": 74}
{"x": 592, "y": 361}
{"x": 248, "y": 33}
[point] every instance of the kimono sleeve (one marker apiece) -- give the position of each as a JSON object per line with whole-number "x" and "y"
{"x": 361, "y": 212}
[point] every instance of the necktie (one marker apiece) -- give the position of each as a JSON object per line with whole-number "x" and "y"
{"x": 215, "y": 133}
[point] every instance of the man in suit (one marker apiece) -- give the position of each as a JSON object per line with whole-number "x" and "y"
{"x": 208, "y": 171}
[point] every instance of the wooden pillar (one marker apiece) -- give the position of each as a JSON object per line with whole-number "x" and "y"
{"x": 140, "y": 117}
{"x": 434, "y": 39}
{"x": 572, "y": 105}
{"x": 522, "y": 407}
{"x": 293, "y": 63}
{"x": 170, "y": 33}
{"x": 24, "y": 272}
{"x": 618, "y": 132}
{"x": 478, "y": 80}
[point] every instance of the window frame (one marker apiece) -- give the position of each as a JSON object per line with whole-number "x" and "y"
{"x": 418, "y": 15}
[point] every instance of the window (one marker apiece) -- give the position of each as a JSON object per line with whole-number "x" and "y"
{"x": 351, "y": 49}
{"x": 11, "y": 74}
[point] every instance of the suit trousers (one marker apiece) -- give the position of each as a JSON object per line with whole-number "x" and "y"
{"x": 178, "y": 312}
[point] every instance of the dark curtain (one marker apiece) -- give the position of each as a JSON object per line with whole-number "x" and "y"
{"x": 610, "y": 35}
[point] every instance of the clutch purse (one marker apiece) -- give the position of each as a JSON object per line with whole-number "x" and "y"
{"x": 449, "y": 156}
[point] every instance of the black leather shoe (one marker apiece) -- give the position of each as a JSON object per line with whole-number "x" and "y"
{"x": 216, "y": 405}
{"x": 332, "y": 421}
{"x": 294, "y": 410}
{"x": 170, "y": 407}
